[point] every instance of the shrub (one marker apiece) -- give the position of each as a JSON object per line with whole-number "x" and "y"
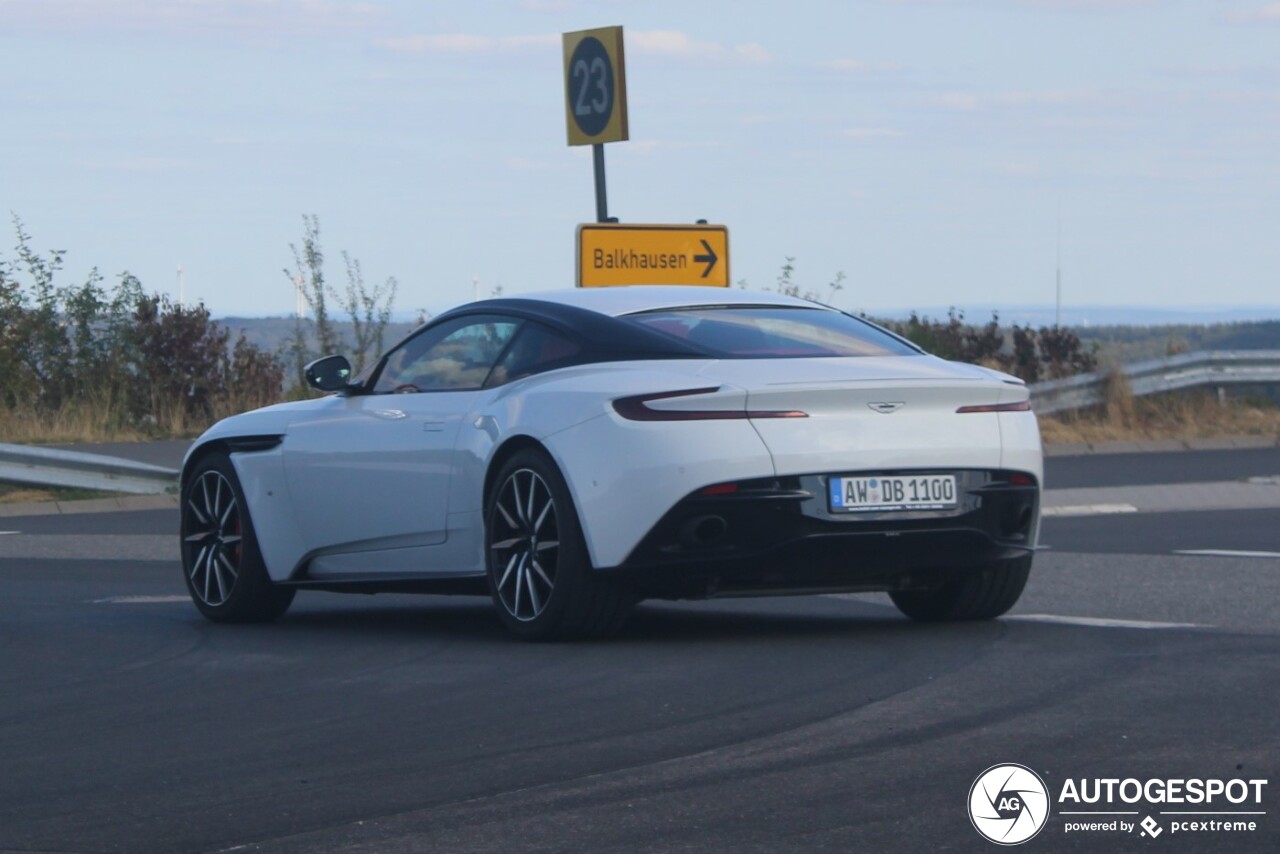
{"x": 123, "y": 360}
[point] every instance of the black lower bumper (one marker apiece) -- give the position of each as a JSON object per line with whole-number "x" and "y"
{"x": 780, "y": 535}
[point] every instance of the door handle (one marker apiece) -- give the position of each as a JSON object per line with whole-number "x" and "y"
{"x": 432, "y": 426}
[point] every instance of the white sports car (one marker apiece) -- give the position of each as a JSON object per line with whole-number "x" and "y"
{"x": 573, "y": 452}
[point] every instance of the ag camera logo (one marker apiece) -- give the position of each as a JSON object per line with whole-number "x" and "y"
{"x": 1008, "y": 804}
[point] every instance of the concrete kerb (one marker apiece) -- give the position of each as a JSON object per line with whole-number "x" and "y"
{"x": 1153, "y": 446}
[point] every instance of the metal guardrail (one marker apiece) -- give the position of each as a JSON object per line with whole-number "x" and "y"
{"x": 1219, "y": 368}
{"x": 50, "y": 467}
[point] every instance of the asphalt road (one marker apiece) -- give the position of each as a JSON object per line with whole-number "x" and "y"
{"x": 398, "y": 723}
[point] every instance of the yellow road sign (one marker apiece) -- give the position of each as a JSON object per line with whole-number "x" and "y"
{"x": 595, "y": 86}
{"x": 616, "y": 254}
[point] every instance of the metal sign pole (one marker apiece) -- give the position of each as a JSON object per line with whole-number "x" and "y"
{"x": 602, "y": 201}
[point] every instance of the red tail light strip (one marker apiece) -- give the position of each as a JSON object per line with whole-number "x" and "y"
{"x": 1020, "y": 406}
{"x": 636, "y": 409}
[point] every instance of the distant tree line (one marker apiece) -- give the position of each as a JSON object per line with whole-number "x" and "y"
{"x": 1031, "y": 354}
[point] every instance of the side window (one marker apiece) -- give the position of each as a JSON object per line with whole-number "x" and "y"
{"x": 535, "y": 349}
{"x": 454, "y": 356}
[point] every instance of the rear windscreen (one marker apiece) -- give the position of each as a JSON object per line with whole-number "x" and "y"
{"x": 774, "y": 332}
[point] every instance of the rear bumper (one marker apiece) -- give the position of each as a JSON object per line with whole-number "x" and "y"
{"x": 778, "y": 535}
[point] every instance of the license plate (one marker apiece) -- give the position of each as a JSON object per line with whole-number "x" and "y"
{"x": 895, "y": 492}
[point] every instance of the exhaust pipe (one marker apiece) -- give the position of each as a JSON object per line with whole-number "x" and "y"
{"x": 703, "y": 531}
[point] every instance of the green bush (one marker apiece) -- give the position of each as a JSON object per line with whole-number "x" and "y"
{"x": 138, "y": 360}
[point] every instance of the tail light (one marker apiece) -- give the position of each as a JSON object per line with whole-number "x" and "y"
{"x": 1020, "y": 406}
{"x": 636, "y": 408}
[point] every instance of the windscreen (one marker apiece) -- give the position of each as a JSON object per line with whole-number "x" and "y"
{"x": 773, "y": 332}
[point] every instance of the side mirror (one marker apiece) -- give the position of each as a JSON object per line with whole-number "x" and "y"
{"x": 329, "y": 374}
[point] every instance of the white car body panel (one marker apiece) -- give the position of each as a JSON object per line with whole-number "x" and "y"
{"x": 842, "y": 432}
{"x": 266, "y": 490}
{"x": 624, "y": 475}
{"x": 366, "y": 449}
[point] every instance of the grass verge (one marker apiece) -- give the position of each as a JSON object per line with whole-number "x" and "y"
{"x": 1181, "y": 415}
{"x": 77, "y": 423}
{"x": 19, "y": 493}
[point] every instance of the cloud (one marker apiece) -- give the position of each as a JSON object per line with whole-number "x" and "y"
{"x": 467, "y": 43}
{"x": 1021, "y": 169}
{"x": 1081, "y": 5}
{"x": 137, "y": 164}
{"x": 857, "y": 66}
{"x": 547, "y": 5}
{"x": 970, "y": 101}
{"x": 1089, "y": 4}
{"x": 958, "y": 101}
{"x": 680, "y": 44}
{"x": 525, "y": 164}
{"x": 1269, "y": 14}
{"x": 256, "y": 18}
{"x": 860, "y": 134}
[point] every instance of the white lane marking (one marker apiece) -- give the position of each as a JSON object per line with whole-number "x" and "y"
{"x": 1088, "y": 509}
{"x": 1103, "y": 622}
{"x": 1225, "y": 553}
{"x": 2, "y": 533}
{"x": 1272, "y": 480}
{"x": 139, "y": 600}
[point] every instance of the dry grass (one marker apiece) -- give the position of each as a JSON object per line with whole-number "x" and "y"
{"x": 20, "y": 495}
{"x": 100, "y": 418}
{"x": 68, "y": 425}
{"x": 1188, "y": 415}
{"x": 13, "y": 493}
{"x": 90, "y": 422}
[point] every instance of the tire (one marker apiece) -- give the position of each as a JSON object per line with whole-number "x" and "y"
{"x": 538, "y": 570}
{"x": 221, "y": 562}
{"x": 981, "y": 594}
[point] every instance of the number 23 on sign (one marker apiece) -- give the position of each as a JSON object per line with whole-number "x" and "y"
{"x": 595, "y": 86}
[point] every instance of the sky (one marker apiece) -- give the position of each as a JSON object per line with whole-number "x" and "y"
{"x": 934, "y": 152}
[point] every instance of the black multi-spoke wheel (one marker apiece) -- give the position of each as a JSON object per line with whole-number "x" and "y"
{"x": 526, "y": 541}
{"x": 538, "y": 570}
{"x": 213, "y": 531}
{"x": 980, "y": 594}
{"x": 220, "y": 557}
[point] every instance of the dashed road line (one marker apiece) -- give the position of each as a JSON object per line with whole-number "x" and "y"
{"x": 1103, "y": 622}
{"x": 1226, "y": 553}
{"x": 1088, "y": 510}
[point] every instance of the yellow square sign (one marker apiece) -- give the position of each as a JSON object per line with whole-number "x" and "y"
{"x": 595, "y": 86}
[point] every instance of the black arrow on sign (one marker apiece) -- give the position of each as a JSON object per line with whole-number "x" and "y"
{"x": 709, "y": 259}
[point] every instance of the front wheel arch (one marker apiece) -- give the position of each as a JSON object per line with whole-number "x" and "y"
{"x": 219, "y": 547}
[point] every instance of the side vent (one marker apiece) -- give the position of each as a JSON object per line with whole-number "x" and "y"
{"x": 249, "y": 444}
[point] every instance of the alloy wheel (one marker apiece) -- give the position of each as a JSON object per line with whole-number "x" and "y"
{"x": 212, "y": 538}
{"x": 525, "y": 544}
